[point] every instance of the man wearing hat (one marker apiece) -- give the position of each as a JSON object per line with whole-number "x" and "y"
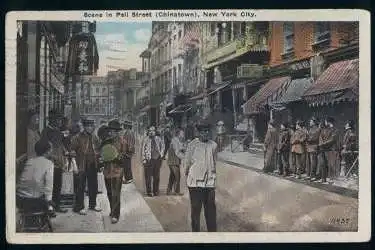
{"x": 297, "y": 142}
{"x": 152, "y": 153}
{"x": 200, "y": 169}
{"x": 349, "y": 145}
{"x": 328, "y": 147}
{"x": 130, "y": 140}
{"x": 113, "y": 149}
{"x": 270, "y": 147}
{"x": 86, "y": 146}
{"x": 283, "y": 149}
{"x": 53, "y": 134}
{"x": 312, "y": 142}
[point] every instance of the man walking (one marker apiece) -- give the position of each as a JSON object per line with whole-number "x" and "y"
{"x": 130, "y": 140}
{"x": 312, "y": 142}
{"x": 175, "y": 155}
{"x": 298, "y": 148}
{"x": 86, "y": 146}
{"x": 328, "y": 140}
{"x": 53, "y": 134}
{"x": 200, "y": 169}
{"x": 152, "y": 152}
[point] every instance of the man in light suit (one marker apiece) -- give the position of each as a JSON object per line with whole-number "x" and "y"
{"x": 152, "y": 152}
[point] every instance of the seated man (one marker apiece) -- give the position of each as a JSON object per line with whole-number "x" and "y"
{"x": 34, "y": 190}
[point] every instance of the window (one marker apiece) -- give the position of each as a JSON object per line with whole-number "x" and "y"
{"x": 179, "y": 34}
{"x": 97, "y": 90}
{"x": 97, "y": 110}
{"x": 103, "y": 90}
{"x": 288, "y": 38}
{"x": 213, "y": 28}
{"x": 174, "y": 37}
{"x": 97, "y": 100}
{"x": 322, "y": 32}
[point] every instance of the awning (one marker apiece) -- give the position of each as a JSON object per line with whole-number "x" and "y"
{"x": 219, "y": 87}
{"x": 180, "y": 109}
{"x": 145, "y": 109}
{"x": 294, "y": 92}
{"x": 335, "y": 83}
{"x": 272, "y": 90}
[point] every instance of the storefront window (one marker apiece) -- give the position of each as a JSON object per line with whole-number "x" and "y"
{"x": 288, "y": 37}
{"x": 322, "y": 32}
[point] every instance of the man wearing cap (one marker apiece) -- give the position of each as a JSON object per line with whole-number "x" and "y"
{"x": 86, "y": 145}
{"x": 270, "y": 146}
{"x": 312, "y": 142}
{"x": 328, "y": 147}
{"x": 298, "y": 141}
{"x": 349, "y": 145}
{"x": 152, "y": 153}
{"x": 130, "y": 140}
{"x": 200, "y": 169}
{"x": 53, "y": 134}
{"x": 113, "y": 167}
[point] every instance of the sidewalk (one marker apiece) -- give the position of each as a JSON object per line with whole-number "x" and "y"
{"x": 255, "y": 162}
{"x": 136, "y": 215}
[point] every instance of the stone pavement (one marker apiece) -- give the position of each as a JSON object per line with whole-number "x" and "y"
{"x": 255, "y": 162}
{"x": 136, "y": 215}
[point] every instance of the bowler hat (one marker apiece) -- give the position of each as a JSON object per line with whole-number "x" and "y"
{"x": 114, "y": 125}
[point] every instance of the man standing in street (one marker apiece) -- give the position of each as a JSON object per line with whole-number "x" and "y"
{"x": 152, "y": 152}
{"x": 283, "y": 150}
{"x": 312, "y": 142}
{"x": 175, "y": 155}
{"x": 53, "y": 134}
{"x": 86, "y": 146}
{"x": 33, "y": 134}
{"x": 167, "y": 139}
{"x": 298, "y": 148}
{"x": 270, "y": 146}
{"x": 200, "y": 169}
{"x": 130, "y": 140}
{"x": 349, "y": 145}
{"x": 328, "y": 140}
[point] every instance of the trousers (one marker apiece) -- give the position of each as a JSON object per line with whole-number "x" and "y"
{"x": 91, "y": 176}
{"x": 205, "y": 197}
{"x": 57, "y": 185}
{"x": 128, "y": 174}
{"x": 174, "y": 178}
{"x": 152, "y": 174}
{"x": 113, "y": 186}
{"x": 283, "y": 162}
{"x": 313, "y": 163}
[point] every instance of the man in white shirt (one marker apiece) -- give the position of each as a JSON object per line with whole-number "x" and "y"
{"x": 34, "y": 189}
{"x": 200, "y": 169}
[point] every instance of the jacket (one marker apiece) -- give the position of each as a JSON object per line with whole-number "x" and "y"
{"x": 80, "y": 144}
{"x": 114, "y": 169}
{"x": 55, "y": 137}
{"x": 312, "y": 140}
{"x": 129, "y": 139}
{"x": 284, "y": 141}
{"x": 350, "y": 140}
{"x": 146, "y": 147}
{"x": 200, "y": 164}
{"x": 328, "y": 139}
{"x": 298, "y": 141}
{"x": 175, "y": 154}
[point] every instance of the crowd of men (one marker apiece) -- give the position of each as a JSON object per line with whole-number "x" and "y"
{"x": 312, "y": 152}
{"x": 79, "y": 148}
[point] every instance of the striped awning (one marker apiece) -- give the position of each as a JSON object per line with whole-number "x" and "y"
{"x": 219, "y": 87}
{"x": 180, "y": 109}
{"x": 272, "y": 90}
{"x": 338, "y": 79}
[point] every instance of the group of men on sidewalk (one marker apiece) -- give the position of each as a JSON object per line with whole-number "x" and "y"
{"x": 314, "y": 151}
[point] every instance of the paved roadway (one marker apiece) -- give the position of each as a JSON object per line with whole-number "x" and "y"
{"x": 248, "y": 201}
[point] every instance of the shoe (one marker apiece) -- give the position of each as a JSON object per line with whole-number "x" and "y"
{"x": 61, "y": 210}
{"x": 96, "y": 209}
{"x": 83, "y": 212}
{"x": 149, "y": 194}
{"x": 114, "y": 220}
{"x": 128, "y": 182}
{"x": 313, "y": 179}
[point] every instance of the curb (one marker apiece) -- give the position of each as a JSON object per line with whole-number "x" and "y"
{"x": 329, "y": 188}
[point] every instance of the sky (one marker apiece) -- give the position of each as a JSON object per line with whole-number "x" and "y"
{"x": 120, "y": 44}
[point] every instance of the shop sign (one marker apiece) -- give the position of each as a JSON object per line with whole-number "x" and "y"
{"x": 305, "y": 64}
{"x": 83, "y": 49}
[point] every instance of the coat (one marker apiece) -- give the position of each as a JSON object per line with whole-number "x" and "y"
{"x": 328, "y": 139}
{"x": 284, "y": 141}
{"x": 146, "y": 148}
{"x": 175, "y": 154}
{"x": 312, "y": 140}
{"x": 114, "y": 169}
{"x": 349, "y": 142}
{"x": 270, "y": 145}
{"x": 80, "y": 144}
{"x": 298, "y": 141}
{"x": 55, "y": 137}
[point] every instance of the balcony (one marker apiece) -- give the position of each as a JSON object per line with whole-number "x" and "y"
{"x": 256, "y": 41}
{"x": 250, "y": 71}
{"x": 223, "y": 51}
